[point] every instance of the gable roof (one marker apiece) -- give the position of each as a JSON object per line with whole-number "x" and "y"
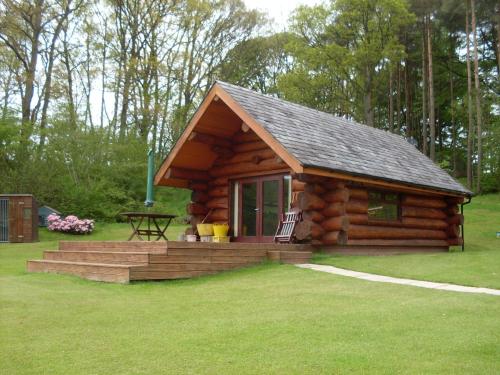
{"x": 320, "y": 140}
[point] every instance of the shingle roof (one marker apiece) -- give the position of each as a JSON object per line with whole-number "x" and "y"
{"x": 321, "y": 140}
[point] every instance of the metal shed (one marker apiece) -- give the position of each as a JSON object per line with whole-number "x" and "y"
{"x": 18, "y": 218}
{"x": 43, "y": 214}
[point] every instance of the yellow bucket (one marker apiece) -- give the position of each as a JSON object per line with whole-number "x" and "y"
{"x": 205, "y": 229}
{"x": 220, "y": 230}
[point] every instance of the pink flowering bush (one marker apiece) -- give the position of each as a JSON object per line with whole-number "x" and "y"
{"x": 70, "y": 224}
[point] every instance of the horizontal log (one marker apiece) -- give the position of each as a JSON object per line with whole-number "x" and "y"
{"x": 254, "y": 156}
{"x": 209, "y": 139}
{"x": 195, "y": 185}
{"x": 416, "y": 222}
{"x": 314, "y": 188}
{"x": 223, "y": 153}
{"x": 313, "y": 215}
{"x": 298, "y": 185}
{"x": 452, "y": 210}
{"x": 356, "y": 206}
{"x": 249, "y": 136}
{"x": 232, "y": 169}
{"x": 331, "y": 184}
{"x": 422, "y": 201}
{"x": 335, "y": 224}
{"x": 250, "y": 146}
{"x": 406, "y": 222}
{"x": 453, "y": 231}
{"x": 334, "y": 238}
{"x": 196, "y": 209}
{"x": 220, "y": 181}
{"x": 218, "y": 191}
{"x": 458, "y": 241}
{"x": 307, "y": 230}
{"x": 412, "y": 242}
{"x": 186, "y": 174}
{"x": 337, "y": 195}
{"x": 357, "y": 231}
{"x": 455, "y": 219}
{"x": 357, "y": 193}
{"x": 307, "y": 201}
{"x": 453, "y": 201}
{"x": 199, "y": 196}
{"x": 422, "y": 212}
{"x": 334, "y": 209}
{"x": 357, "y": 218}
{"x": 221, "y": 202}
{"x": 309, "y": 178}
{"x": 219, "y": 215}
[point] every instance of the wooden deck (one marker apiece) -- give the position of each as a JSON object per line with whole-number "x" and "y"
{"x": 122, "y": 261}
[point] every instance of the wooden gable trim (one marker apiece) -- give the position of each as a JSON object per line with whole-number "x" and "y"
{"x": 379, "y": 183}
{"x": 217, "y": 93}
{"x": 184, "y": 137}
{"x": 263, "y": 134}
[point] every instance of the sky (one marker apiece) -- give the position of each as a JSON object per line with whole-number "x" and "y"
{"x": 279, "y": 10}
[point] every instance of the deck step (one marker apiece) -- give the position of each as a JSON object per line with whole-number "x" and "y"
{"x": 116, "y": 246}
{"x": 116, "y": 273}
{"x": 290, "y": 257}
{"x": 122, "y": 261}
{"x": 104, "y": 257}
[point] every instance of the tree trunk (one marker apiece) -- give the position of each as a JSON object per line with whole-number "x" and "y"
{"x": 407, "y": 101}
{"x": 498, "y": 38}
{"x": 424, "y": 92}
{"x": 69, "y": 74}
{"x": 391, "y": 102}
{"x": 470, "y": 133}
{"x": 398, "y": 101}
{"x": 368, "y": 98}
{"x": 432, "y": 120}
{"x": 48, "y": 75}
{"x": 478, "y": 100}
{"x": 452, "y": 111}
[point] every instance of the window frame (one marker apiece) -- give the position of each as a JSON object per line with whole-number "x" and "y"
{"x": 383, "y": 200}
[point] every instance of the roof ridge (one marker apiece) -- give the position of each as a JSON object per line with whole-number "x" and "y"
{"x": 347, "y": 121}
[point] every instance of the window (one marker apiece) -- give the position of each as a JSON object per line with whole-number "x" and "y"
{"x": 383, "y": 206}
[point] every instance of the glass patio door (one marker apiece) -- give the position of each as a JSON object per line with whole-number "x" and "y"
{"x": 257, "y": 205}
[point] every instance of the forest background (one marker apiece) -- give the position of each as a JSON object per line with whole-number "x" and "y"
{"x": 87, "y": 87}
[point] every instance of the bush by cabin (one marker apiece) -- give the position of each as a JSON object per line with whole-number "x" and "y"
{"x": 248, "y": 157}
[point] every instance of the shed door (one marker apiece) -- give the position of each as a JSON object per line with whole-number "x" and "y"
{"x": 4, "y": 220}
{"x": 20, "y": 219}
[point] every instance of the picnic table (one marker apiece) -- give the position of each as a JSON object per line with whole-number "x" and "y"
{"x": 136, "y": 219}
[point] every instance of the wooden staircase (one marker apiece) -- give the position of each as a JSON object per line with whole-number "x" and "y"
{"x": 122, "y": 261}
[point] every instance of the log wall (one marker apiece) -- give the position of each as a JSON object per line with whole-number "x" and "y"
{"x": 336, "y": 213}
{"x": 323, "y": 205}
{"x": 247, "y": 155}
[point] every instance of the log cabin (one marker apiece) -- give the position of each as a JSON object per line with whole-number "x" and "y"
{"x": 248, "y": 157}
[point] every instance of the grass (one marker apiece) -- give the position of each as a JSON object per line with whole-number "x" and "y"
{"x": 478, "y": 265}
{"x": 271, "y": 319}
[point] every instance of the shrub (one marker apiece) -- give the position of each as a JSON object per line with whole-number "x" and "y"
{"x": 70, "y": 224}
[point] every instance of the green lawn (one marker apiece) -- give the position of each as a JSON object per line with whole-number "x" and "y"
{"x": 271, "y": 319}
{"x": 479, "y": 265}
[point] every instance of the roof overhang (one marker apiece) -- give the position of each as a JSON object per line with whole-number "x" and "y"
{"x": 381, "y": 183}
